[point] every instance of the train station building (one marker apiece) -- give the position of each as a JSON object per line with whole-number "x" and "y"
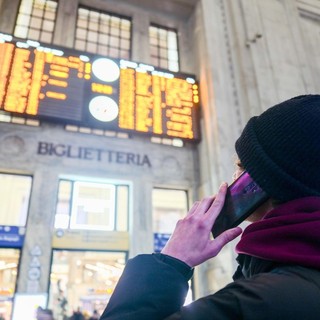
{"x": 117, "y": 115}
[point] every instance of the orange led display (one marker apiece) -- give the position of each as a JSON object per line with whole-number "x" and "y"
{"x": 59, "y": 84}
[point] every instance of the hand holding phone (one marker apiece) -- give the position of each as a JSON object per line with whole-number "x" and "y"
{"x": 197, "y": 224}
{"x": 243, "y": 197}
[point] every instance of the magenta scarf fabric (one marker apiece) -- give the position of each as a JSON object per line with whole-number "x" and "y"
{"x": 290, "y": 233}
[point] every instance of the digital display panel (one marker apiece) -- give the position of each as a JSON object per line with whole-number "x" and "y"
{"x": 65, "y": 85}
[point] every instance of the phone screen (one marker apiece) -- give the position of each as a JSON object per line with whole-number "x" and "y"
{"x": 243, "y": 197}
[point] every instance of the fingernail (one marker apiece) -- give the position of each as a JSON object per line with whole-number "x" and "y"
{"x": 223, "y": 184}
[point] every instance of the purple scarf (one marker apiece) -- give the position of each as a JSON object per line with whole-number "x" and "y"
{"x": 290, "y": 233}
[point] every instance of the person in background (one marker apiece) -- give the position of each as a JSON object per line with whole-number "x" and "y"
{"x": 95, "y": 315}
{"x": 44, "y": 314}
{"x": 278, "y": 254}
{"x": 77, "y": 315}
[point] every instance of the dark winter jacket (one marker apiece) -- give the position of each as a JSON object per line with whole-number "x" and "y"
{"x": 154, "y": 286}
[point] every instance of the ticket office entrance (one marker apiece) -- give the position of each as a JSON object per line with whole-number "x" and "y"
{"x": 83, "y": 280}
{"x": 90, "y": 244}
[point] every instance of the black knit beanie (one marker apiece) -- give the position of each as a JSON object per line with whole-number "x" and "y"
{"x": 280, "y": 149}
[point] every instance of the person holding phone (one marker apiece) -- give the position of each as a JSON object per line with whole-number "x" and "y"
{"x": 278, "y": 254}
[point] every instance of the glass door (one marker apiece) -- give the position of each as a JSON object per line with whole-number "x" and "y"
{"x": 9, "y": 261}
{"x": 83, "y": 281}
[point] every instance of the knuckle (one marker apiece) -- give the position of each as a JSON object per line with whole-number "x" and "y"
{"x": 191, "y": 218}
{"x": 202, "y": 224}
{"x": 218, "y": 202}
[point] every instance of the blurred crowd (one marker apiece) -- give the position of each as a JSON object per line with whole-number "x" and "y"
{"x": 47, "y": 314}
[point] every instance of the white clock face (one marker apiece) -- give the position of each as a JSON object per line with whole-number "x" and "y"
{"x": 103, "y": 108}
{"x": 105, "y": 70}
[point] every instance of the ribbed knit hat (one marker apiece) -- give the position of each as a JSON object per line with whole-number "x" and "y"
{"x": 280, "y": 149}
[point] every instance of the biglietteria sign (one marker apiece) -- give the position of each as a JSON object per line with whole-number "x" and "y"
{"x": 94, "y": 154}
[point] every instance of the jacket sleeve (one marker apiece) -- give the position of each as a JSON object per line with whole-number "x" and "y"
{"x": 154, "y": 287}
{"x": 151, "y": 287}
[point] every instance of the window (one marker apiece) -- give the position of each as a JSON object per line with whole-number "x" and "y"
{"x": 36, "y": 20}
{"x": 164, "y": 48}
{"x": 14, "y": 198}
{"x": 92, "y": 205}
{"x": 168, "y": 206}
{"x": 103, "y": 33}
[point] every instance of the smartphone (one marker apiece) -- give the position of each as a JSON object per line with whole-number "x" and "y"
{"x": 243, "y": 197}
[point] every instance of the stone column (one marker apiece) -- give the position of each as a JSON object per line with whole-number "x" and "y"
{"x": 306, "y": 46}
{"x": 66, "y": 23}
{"x": 35, "y": 262}
{"x": 221, "y": 118}
{"x": 8, "y": 14}
{"x": 140, "y": 38}
{"x": 141, "y": 235}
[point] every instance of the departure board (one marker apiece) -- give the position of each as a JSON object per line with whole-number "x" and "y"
{"x": 65, "y": 85}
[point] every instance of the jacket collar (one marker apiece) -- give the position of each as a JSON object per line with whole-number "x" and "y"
{"x": 249, "y": 266}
